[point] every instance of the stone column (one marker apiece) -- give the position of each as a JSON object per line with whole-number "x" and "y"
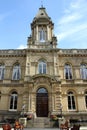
{"x": 37, "y": 33}
{"x": 48, "y": 33}
{"x": 29, "y": 104}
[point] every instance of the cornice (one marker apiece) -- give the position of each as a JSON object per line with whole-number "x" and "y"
{"x": 42, "y": 50}
{"x": 72, "y": 52}
{"x": 60, "y": 52}
{"x": 13, "y": 53}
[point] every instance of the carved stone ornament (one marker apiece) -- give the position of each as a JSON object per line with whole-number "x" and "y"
{"x": 42, "y": 80}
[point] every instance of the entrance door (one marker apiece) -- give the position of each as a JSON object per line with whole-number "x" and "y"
{"x": 42, "y": 103}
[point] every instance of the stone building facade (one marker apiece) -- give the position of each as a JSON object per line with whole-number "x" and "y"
{"x": 42, "y": 79}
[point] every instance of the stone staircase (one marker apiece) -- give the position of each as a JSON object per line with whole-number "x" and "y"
{"x": 40, "y": 122}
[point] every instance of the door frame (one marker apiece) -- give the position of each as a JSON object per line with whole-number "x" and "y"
{"x": 43, "y": 93}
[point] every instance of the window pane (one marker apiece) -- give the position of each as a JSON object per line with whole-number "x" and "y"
{"x": 68, "y": 71}
{"x": 42, "y": 35}
{"x": 83, "y": 71}
{"x": 86, "y": 99}
{"x": 42, "y": 67}
{"x": 42, "y": 90}
{"x": 2, "y": 69}
{"x": 71, "y": 101}
{"x": 16, "y": 72}
{"x": 13, "y": 101}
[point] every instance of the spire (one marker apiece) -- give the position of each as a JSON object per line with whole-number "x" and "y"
{"x": 42, "y": 14}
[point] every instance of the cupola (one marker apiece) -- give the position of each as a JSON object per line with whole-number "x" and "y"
{"x": 42, "y": 31}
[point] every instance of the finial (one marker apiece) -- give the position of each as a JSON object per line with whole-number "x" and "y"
{"x": 42, "y": 3}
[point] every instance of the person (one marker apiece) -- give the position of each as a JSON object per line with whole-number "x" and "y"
{"x": 18, "y": 125}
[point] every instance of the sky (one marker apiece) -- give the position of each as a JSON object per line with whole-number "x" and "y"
{"x": 69, "y": 18}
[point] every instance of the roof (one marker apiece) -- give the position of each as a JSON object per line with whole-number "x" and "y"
{"x": 42, "y": 14}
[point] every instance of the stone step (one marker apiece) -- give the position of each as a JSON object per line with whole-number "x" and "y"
{"x": 42, "y": 122}
{"x": 38, "y": 125}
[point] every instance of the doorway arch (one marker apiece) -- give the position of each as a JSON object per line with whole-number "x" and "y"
{"x": 42, "y": 102}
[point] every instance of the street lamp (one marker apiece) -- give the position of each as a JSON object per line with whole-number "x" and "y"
{"x": 23, "y": 108}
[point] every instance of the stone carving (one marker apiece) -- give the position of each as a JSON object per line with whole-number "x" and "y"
{"x": 42, "y": 80}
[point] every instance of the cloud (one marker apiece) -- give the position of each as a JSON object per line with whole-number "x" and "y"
{"x": 22, "y": 47}
{"x": 72, "y": 31}
{"x": 3, "y": 16}
{"x": 73, "y": 23}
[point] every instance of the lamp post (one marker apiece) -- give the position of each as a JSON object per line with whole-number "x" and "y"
{"x": 23, "y": 108}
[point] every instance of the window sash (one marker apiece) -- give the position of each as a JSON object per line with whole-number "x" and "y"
{"x": 42, "y": 35}
{"x": 42, "y": 68}
{"x": 71, "y": 102}
{"x": 2, "y": 71}
{"x": 68, "y": 72}
{"x": 16, "y": 73}
{"x": 86, "y": 100}
{"x": 83, "y": 71}
{"x": 13, "y": 102}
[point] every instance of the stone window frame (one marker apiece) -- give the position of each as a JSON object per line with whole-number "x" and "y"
{"x": 83, "y": 71}
{"x": 13, "y": 101}
{"x": 71, "y": 100}
{"x": 16, "y": 73}
{"x": 85, "y": 94}
{"x": 68, "y": 71}
{"x": 42, "y": 67}
{"x": 42, "y": 34}
{"x": 2, "y": 71}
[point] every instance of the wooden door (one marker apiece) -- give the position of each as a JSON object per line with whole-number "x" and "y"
{"x": 42, "y": 104}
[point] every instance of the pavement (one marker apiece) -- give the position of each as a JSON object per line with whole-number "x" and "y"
{"x": 37, "y": 129}
{"x": 41, "y": 129}
{"x": 81, "y": 128}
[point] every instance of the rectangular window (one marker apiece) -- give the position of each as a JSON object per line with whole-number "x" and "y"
{"x": 86, "y": 101}
{"x": 11, "y": 103}
{"x": 42, "y": 35}
{"x": 44, "y": 68}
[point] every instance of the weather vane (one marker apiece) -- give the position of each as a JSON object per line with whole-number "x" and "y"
{"x": 41, "y": 3}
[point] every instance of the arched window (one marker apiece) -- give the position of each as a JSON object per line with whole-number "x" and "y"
{"x": 83, "y": 71}
{"x": 16, "y": 72}
{"x": 68, "y": 71}
{"x": 71, "y": 101}
{"x": 42, "y": 67}
{"x": 2, "y": 71}
{"x": 13, "y": 101}
{"x": 42, "y": 90}
{"x": 86, "y": 99}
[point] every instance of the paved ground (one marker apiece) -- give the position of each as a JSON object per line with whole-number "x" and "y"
{"x": 37, "y": 129}
{"x": 42, "y": 128}
{"x": 81, "y": 128}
